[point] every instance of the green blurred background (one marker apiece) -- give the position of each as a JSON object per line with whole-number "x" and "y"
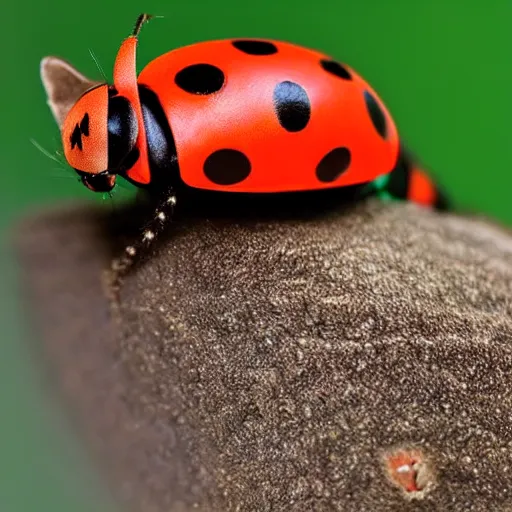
{"x": 443, "y": 67}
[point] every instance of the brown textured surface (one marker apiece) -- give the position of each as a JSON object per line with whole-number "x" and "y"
{"x": 268, "y": 365}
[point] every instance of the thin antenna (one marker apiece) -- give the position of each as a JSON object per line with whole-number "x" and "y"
{"x": 141, "y": 21}
{"x": 98, "y": 65}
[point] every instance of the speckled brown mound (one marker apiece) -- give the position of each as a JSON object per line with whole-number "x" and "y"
{"x": 279, "y": 364}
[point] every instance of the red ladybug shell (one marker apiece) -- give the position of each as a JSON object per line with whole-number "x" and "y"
{"x": 267, "y": 116}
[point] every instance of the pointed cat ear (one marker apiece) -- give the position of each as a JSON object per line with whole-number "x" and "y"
{"x": 63, "y": 85}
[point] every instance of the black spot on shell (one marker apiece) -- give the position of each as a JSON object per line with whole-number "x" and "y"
{"x": 200, "y": 79}
{"x": 376, "y": 114}
{"x": 336, "y": 69}
{"x": 292, "y": 106}
{"x": 227, "y": 167}
{"x": 252, "y": 47}
{"x": 76, "y": 138}
{"x": 333, "y": 165}
{"x": 84, "y": 125}
{"x": 80, "y": 129}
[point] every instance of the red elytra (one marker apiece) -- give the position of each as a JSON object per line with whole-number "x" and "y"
{"x": 233, "y": 115}
{"x": 284, "y": 112}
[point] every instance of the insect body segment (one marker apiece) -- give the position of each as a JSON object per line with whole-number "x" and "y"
{"x": 104, "y": 134}
{"x": 84, "y": 132}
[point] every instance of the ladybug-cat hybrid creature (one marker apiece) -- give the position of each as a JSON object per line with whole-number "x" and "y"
{"x": 244, "y": 115}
